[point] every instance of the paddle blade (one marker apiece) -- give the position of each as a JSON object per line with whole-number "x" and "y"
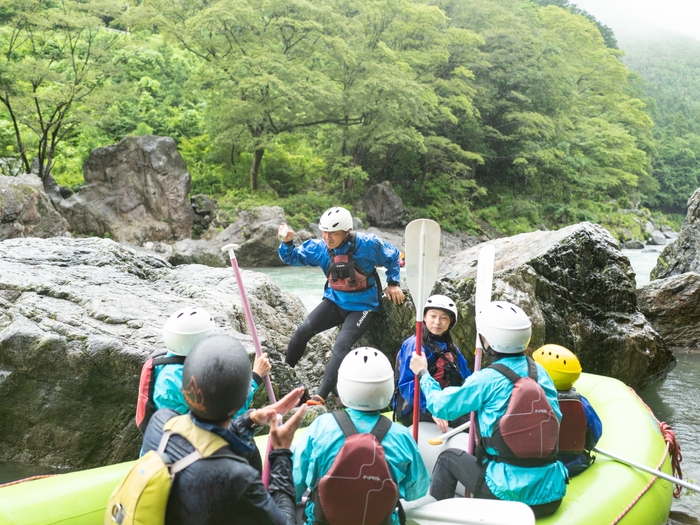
{"x": 484, "y": 277}
{"x": 422, "y": 256}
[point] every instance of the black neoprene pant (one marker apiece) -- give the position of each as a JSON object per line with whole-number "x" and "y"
{"x": 328, "y": 315}
{"x": 455, "y": 465}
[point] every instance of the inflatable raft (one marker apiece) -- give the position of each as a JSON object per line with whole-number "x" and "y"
{"x": 608, "y": 492}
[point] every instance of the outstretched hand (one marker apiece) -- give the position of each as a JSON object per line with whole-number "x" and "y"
{"x": 395, "y": 294}
{"x": 285, "y": 233}
{"x": 281, "y": 436}
{"x": 263, "y": 416}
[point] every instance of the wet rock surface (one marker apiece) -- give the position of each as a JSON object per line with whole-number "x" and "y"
{"x": 78, "y": 317}
{"x": 576, "y": 286}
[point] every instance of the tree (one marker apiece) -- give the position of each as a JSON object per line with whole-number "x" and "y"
{"x": 51, "y": 58}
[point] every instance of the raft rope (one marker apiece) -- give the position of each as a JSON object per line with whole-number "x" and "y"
{"x": 673, "y": 448}
{"x": 32, "y": 478}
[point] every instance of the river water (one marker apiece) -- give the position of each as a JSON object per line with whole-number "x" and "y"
{"x": 676, "y": 400}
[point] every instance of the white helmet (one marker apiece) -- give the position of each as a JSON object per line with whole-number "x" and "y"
{"x": 442, "y": 302}
{"x": 365, "y": 380}
{"x": 335, "y": 219}
{"x": 505, "y": 326}
{"x": 185, "y": 328}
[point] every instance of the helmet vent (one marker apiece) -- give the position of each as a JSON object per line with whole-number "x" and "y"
{"x": 181, "y": 314}
{"x": 365, "y": 359}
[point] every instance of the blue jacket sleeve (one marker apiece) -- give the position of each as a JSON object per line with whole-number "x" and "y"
{"x": 406, "y": 376}
{"x": 463, "y": 365}
{"x": 592, "y": 420}
{"x": 387, "y": 255}
{"x": 167, "y": 391}
{"x": 311, "y": 253}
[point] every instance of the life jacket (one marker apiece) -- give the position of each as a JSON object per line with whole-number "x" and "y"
{"x": 358, "y": 488}
{"x": 572, "y": 431}
{"x": 575, "y": 437}
{"x": 145, "y": 407}
{"x": 527, "y": 434}
{"x": 444, "y": 369}
{"x": 142, "y": 496}
{"x": 345, "y": 275}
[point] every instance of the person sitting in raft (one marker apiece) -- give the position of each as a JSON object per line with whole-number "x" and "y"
{"x": 184, "y": 329}
{"x": 446, "y": 364}
{"x": 353, "y": 290}
{"x": 181, "y": 332}
{"x": 365, "y": 386}
{"x": 581, "y": 427}
{"x": 223, "y": 488}
{"x": 511, "y": 463}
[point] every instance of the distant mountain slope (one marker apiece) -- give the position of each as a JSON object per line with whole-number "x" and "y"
{"x": 670, "y": 64}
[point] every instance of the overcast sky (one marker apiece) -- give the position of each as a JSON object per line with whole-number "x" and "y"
{"x": 641, "y": 16}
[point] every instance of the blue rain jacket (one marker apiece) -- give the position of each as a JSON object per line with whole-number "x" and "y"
{"x": 487, "y": 392}
{"x": 315, "y": 451}
{"x": 370, "y": 251}
{"x": 407, "y": 378}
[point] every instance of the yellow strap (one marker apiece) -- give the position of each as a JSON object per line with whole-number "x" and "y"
{"x": 204, "y": 441}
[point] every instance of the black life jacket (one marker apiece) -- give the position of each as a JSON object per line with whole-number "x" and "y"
{"x": 345, "y": 275}
{"x": 527, "y": 434}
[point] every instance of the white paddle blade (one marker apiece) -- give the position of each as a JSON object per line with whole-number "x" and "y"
{"x": 422, "y": 255}
{"x": 484, "y": 277}
{"x": 471, "y": 511}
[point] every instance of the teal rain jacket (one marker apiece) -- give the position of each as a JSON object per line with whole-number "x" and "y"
{"x": 370, "y": 251}
{"x": 167, "y": 392}
{"x": 487, "y": 392}
{"x": 315, "y": 451}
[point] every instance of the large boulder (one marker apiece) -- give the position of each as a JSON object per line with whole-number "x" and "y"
{"x": 576, "y": 286}
{"x": 78, "y": 317}
{"x": 255, "y": 232}
{"x": 383, "y": 207}
{"x": 672, "y": 306}
{"x": 683, "y": 254}
{"x": 135, "y": 191}
{"x": 26, "y": 210}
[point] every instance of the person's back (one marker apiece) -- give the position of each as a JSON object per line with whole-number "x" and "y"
{"x": 539, "y": 481}
{"x": 223, "y": 488}
{"x": 365, "y": 387}
{"x": 581, "y": 427}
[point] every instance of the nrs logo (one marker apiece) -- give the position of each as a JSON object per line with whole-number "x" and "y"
{"x": 372, "y": 478}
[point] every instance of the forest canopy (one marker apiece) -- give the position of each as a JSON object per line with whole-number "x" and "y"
{"x": 512, "y": 113}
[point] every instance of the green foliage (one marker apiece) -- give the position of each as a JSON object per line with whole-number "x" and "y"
{"x": 518, "y": 113}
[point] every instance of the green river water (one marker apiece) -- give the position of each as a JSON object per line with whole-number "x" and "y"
{"x": 676, "y": 400}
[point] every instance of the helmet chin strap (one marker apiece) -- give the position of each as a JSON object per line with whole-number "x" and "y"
{"x": 487, "y": 348}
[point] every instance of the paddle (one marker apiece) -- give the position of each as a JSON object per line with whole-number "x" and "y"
{"x": 447, "y": 435}
{"x": 422, "y": 255}
{"x": 256, "y": 344}
{"x": 482, "y": 296}
{"x": 657, "y": 473}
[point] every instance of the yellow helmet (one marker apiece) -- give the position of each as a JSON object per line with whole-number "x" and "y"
{"x": 561, "y": 364}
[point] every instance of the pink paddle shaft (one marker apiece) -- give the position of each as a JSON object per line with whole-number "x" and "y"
{"x": 258, "y": 352}
{"x": 416, "y": 384}
{"x": 472, "y": 416}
